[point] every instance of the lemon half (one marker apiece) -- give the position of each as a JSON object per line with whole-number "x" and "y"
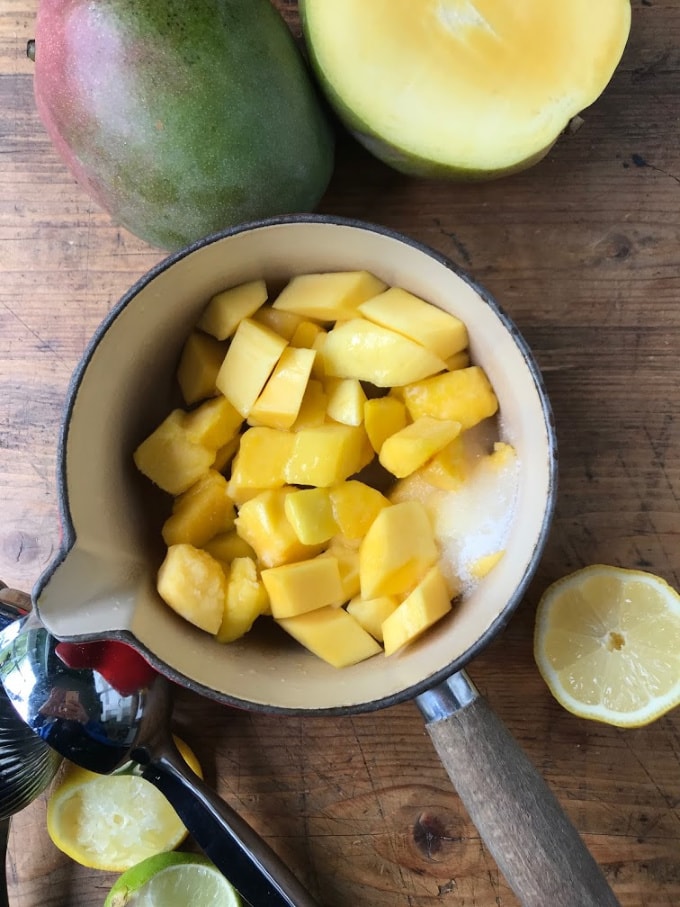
{"x": 607, "y": 643}
{"x": 112, "y": 822}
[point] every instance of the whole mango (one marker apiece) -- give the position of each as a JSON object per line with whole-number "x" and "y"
{"x": 181, "y": 117}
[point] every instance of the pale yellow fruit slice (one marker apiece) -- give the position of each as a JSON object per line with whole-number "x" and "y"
{"x": 607, "y": 643}
{"x": 112, "y": 822}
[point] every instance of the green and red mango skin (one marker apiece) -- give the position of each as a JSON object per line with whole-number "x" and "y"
{"x": 181, "y": 117}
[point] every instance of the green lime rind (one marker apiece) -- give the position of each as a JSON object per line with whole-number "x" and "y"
{"x": 130, "y": 882}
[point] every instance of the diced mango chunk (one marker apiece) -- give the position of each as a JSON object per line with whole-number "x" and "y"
{"x": 305, "y": 334}
{"x": 458, "y": 360}
{"x": 464, "y": 396}
{"x": 383, "y": 416}
{"x": 408, "y": 449}
{"x": 354, "y": 506}
{"x": 330, "y": 296}
{"x": 226, "y": 546}
{"x": 214, "y": 423}
{"x": 201, "y": 512}
{"x": 170, "y": 458}
{"x": 325, "y": 455}
{"x": 194, "y": 585}
{"x": 279, "y": 403}
{"x": 313, "y": 407}
{"x": 246, "y": 599}
{"x": 449, "y": 468}
{"x": 346, "y": 399}
{"x": 282, "y": 323}
{"x": 426, "y": 604}
{"x": 360, "y": 349}
{"x": 483, "y": 565}
{"x": 223, "y": 314}
{"x": 310, "y": 514}
{"x": 253, "y": 352}
{"x": 397, "y": 550}
{"x": 333, "y": 635}
{"x": 423, "y": 322}
{"x": 260, "y": 462}
{"x": 348, "y": 565}
{"x": 263, "y": 523}
{"x": 371, "y": 612}
{"x": 200, "y": 361}
{"x": 303, "y": 586}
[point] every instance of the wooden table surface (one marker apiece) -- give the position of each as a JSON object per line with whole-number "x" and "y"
{"x": 584, "y": 253}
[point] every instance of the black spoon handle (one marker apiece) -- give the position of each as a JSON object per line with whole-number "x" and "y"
{"x": 253, "y": 868}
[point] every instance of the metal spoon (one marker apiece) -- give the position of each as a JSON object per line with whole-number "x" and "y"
{"x": 82, "y": 716}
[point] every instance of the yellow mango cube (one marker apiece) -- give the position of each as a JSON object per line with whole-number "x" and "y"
{"x": 449, "y": 468}
{"x": 306, "y": 334}
{"x": 424, "y": 323}
{"x": 333, "y": 635}
{"x": 194, "y": 585}
{"x": 260, "y": 462}
{"x": 312, "y": 411}
{"x": 226, "y": 546}
{"x": 383, "y": 417}
{"x": 200, "y": 512}
{"x": 303, "y": 586}
{"x": 408, "y": 449}
{"x": 371, "y": 612}
{"x": 282, "y": 323}
{"x": 348, "y": 565}
{"x": 483, "y": 565}
{"x": 354, "y": 507}
{"x": 310, "y": 514}
{"x": 170, "y": 458}
{"x": 225, "y": 310}
{"x": 464, "y": 396}
{"x": 225, "y": 454}
{"x": 325, "y": 455}
{"x": 502, "y": 456}
{"x": 458, "y": 360}
{"x": 426, "y": 604}
{"x": 279, "y": 403}
{"x": 397, "y": 550}
{"x": 253, "y": 352}
{"x": 361, "y": 349}
{"x": 330, "y": 296}
{"x": 346, "y": 399}
{"x": 246, "y": 599}
{"x": 262, "y": 522}
{"x": 199, "y": 363}
{"x": 214, "y": 423}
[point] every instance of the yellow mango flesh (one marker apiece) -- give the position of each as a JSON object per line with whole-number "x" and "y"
{"x": 279, "y": 403}
{"x": 348, "y": 565}
{"x": 213, "y": 423}
{"x": 253, "y": 352}
{"x": 408, "y": 449}
{"x": 282, "y": 323}
{"x": 225, "y": 546}
{"x": 260, "y": 462}
{"x": 354, "y": 507}
{"x": 383, "y": 416}
{"x": 333, "y": 635}
{"x": 263, "y": 524}
{"x": 371, "y": 612}
{"x": 425, "y": 605}
{"x": 303, "y": 586}
{"x": 194, "y": 585}
{"x": 464, "y": 396}
{"x": 422, "y": 322}
{"x": 310, "y": 514}
{"x": 201, "y": 512}
{"x": 170, "y": 458}
{"x": 225, "y": 311}
{"x": 246, "y": 599}
{"x": 312, "y": 411}
{"x": 397, "y": 550}
{"x": 449, "y": 468}
{"x": 199, "y": 364}
{"x": 360, "y": 349}
{"x": 328, "y": 297}
{"x": 346, "y": 398}
{"x": 325, "y": 455}
{"x": 306, "y": 334}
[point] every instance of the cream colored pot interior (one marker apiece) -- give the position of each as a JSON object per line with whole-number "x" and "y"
{"x": 105, "y": 584}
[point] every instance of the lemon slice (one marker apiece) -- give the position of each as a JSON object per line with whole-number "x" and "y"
{"x": 607, "y": 643}
{"x": 112, "y": 822}
{"x": 173, "y": 880}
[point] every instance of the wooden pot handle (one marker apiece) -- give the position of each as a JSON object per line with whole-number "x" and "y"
{"x": 536, "y": 847}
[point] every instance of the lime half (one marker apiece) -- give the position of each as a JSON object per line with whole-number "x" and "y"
{"x": 173, "y": 880}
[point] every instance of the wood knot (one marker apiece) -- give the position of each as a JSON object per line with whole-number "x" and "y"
{"x": 429, "y": 833}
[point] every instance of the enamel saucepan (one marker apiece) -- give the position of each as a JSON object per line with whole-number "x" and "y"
{"x": 102, "y": 583}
